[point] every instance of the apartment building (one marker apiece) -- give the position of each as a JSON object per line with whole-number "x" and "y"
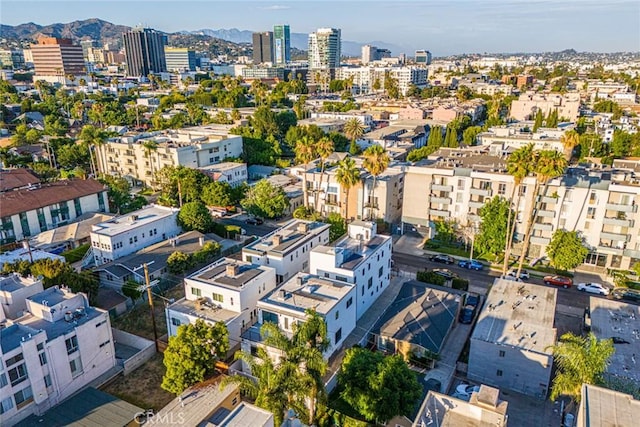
{"x": 287, "y": 249}
{"x": 324, "y": 49}
{"x": 225, "y": 291}
{"x": 601, "y": 203}
{"x": 510, "y": 345}
{"x": 193, "y": 147}
{"x": 365, "y": 77}
{"x": 362, "y": 258}
{"x": 287, "y": 305}
{"x": 502, "y": 139}
{"x": 55, "y": 350}
{"x": 232, "y": 173}
{"x": 528, "y": 104}
{"x": 55, "y": 58}
{"x": 12, "y": 59}
{"x": 14, "y": 291}
{"x": 144, "y": 48}
{"x": 601, "y": 406}
{"x": 127, "y": 234}
{"x": 363, "y": 117}
{"x": 27, "y": 211}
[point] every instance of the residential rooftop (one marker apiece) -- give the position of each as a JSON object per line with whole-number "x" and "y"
{"x": 16, "y": 178}
{"x": 139, "y": 218}
{"x": 287, "y": 238}
{"x": 603, "y": 407}
{"x": 22, "y": 254}
{"x": 14, "y": 282}
{"x": 229, "y": 273}
{"x": 221, "y": 167}
{"x": 203, "y": 310}
{"x": 13, "y": 334}
{"x": 77, "y": 230}
{"x": 246, "y": 414}
{"x": 305, "y": 291}
{"x": 621, "y": 320}
{"x": 518, "y": 314}
{"x": 351, "y": 252}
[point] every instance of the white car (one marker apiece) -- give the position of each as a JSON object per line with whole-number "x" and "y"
{"x": 466, "y": 389}
{"x": 524, "y": 274}
{"x": 593, "y": 288}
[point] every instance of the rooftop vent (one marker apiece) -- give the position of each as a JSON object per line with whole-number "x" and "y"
{"x": 276, "y": 239}
{"x": 232, "y": 270}
{"x": 303, "y": 227}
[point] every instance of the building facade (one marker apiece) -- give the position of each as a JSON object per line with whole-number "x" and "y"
{"x": 526, "y": 107}
{"x": 57, "y": 57}
{"x": 180, "y": 59}
{"x": 12, "y": 59}
{"x": 423, "y": 57}
{"x": 232, "y": 173}
{"x": 144, "y": 50}
{"x": 263, "y": 47}
{"x": 281, "y": 44}
{"x": 364, "y": 78}
{"x": 324, "y": 49}
{"x": 14, "y": 291}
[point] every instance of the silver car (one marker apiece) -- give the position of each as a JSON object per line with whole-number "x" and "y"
{"x": 593, "y": 288}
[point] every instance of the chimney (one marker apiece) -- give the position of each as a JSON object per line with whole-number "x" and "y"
{"x": 300, "y": 280}
{"x": 276, "y": 239}
{"x": 303, "y": 227}
{"x": 201, "y": 241}
{"x": 283, "y": 294}
{"x": 232, "y": 270}
{"x": 173, "y": 242}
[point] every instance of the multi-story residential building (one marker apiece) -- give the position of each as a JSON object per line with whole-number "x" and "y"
{"x": 362, "y": 258}
{"x": 263, "y": 47}
{"x": 287, "y": 305}
{"x": 14, "y": 291}
{"x": 28, "y": 211}
{"x": 600, "y": 203}
{"x": 324, "y": 49}
{"x": 264, "y": 73}
{"x": 125, "y": 235}
{"x": 281, "y": 44}
{"x": 55, "y": 57}
{"x": 12, "y": 59}
{"x": 502, "y": 139}
{"x": 226, "y": 291}
{"x": 192, "y": 147}
{"x": 423, "y": 57}
{"x": 510, "y": 345}
{"x": 144, "y": 50}
{"x": 60, "y": 347}
{"x": 287, "y": 249}
{"x": 363, "y": 117}
{"x": 180, "y": 59}
{"x": 526, "y": 107}
{"x": 232, "y": 173}
{"x": 365, "y": 77}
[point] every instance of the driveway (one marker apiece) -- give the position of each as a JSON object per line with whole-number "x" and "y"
{"x": 409, "y": 243}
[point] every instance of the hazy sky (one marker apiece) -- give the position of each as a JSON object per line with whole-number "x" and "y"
{"x": 442, "y": 26}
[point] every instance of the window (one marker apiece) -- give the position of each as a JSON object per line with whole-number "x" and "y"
{"x": 6, "y": 405}
{"x": 380, "y": 272}
{"x": 502, "y": 189}
{"x": 15, "y": 359}
{"x": 370, "y": 283}
{"x": 23, "y": 397}
{"x": 254, "y": 351}
{"x": 76, "y": 366}
{"x": 47, "y": 380}
{"x": 268, "y": 316}
{"x": 592, "y": 198}
{"x": 72, "y": 344}
{"x": 342, "y": 278}
{"x": 43, "y": 358}
{"x": 217, "y": 297}
{"x": 591, "y": 213}
{"x": 349, "y": 302}
{"x": 461, "y": 184}
{"x": 175, "y": 322}
{"x": 337, "y": 314}
{"x": 3, "y": 379}
{"x": 105, "y": 343}
{"x": 338, "y": 336}
{"x": 18, "y": 374}
{"x": 196, "y": 291}
{"x": 501, "y": 354}
{"x": 77, "y": 206}
{"x": 458, "y": 197}
{"x": 286, "y": 323}
{"x": 231, "y": 301}
{"x": 499, "y": 372}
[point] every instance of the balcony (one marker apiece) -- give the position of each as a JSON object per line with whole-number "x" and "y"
{"x": 549, "y": 199}
{"x": 473, "y": 217}
{"x": 632, "y": 253}
{"x": 540, "y": 240}
{"x": 616, "y": 237}
{"x": 436, "y": 212}
{"x": 613, "y": 250}
{"x": 474, "y": 204}
{"x": 440, "y": 200}
{"x": 440, "y": 187}
{"x": 543, "y": 227}
{"x": 371, "y": 205}
{"x": 330, "y": 202}
{"x": 547, "y": 214}
{"x": 480, "y": 192}
{"x": 622, "y": 208}
{"x": 618, "y": 221}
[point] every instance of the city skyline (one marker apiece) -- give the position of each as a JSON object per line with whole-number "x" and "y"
{"x": 445, "y": 28}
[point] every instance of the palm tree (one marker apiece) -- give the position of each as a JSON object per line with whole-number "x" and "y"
{"x": 305, "y": 151}
{"x": 150, "y": 146}
{"x": 570, "y": 140}
{"x": 519, "y": 166}
{"x": 376, "y": 161}
{"x": 324, "y": 148}
{"x": 548, "y": 164}
{"x": 347, "y": 175}
{"x": 580, "y": 360}
{"x": 93, "y": 138}
{"x": 353, "y": 129}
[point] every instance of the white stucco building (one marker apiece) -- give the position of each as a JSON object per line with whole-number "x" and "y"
{"x": 55, "y": 350}
{"x": 232, "y": 173}
{"x": 127, "y": 234}
{"x": 14, "y": 291}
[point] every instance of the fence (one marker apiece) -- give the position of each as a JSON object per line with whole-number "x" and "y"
{"x": 146, "y": 349}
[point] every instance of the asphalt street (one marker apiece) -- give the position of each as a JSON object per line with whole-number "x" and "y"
{"x": 252, "y": 230}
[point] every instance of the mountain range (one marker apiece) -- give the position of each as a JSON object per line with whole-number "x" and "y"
{"x": 107, "y": 32}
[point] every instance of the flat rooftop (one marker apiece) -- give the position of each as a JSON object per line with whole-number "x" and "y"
{"x": 221, "y": 167}
{"x": 304, "y": 291}
{"x": 13, "y": 282}
{"x": 139, "y": 218}
{"x": 518, "y": 314}
{"x": 354, "y": 252}
{"x": 287, "y": 238}
{"x": 603, "y": 407}
{"x": 621, "y": 320}
{"x": 446, "y": 411}
{"x": 246, "y": 414}
{"x": 204, "y": 311}
{"x": 60, "y": 327}
{"x": 11, "y": 336}
{"x": 220, "y": 273}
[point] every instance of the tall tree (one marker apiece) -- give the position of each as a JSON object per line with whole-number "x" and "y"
{"x": 305, "y": 150}
{"x": 324, "y": 148}
{"x": 537, "y": 124}
{"x": 265, "y": 200}
{"x": 566, "y": 250}
{"x": 93, "y": 138}
{"x": 570, "y": 140}
{"x": 376, "y": 161}
{"x": 150, "y": 147}
{"x": 347, "y": 175}
{"x": 195, "y": 216}
{"x": 353, "y": 129}
{"x": 494, "y": 226}
{"x": 580, "y": 360}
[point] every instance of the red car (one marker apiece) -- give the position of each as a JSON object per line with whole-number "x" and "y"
{"x": 565, "y": 282}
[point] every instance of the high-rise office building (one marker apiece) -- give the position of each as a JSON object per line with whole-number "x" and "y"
{"x": 373, "y": 53}
{"x": 144, "y": 49}
{"x": 281, "y": 44}
{"x": 423, "y": 57}
{"x": 324, "y": 49}
{"x": 262, "y": 47}
{"x": 180, "y": 59}
{"x": 57, "y": 57}
{"x": 12, "y": 59}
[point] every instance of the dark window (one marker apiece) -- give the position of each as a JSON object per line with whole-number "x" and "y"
{"x": 268, "y": 316}
{"x": 501, "y": 353}
{"x": 349, "y": 302}
{"x": 370, "y": 283}
{"x": 72, "y": 344}
{"x": 499, "y": 373}
{"x": 338, "y": 336}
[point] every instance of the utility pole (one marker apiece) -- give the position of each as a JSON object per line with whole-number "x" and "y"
{"x": 153, "y": 314}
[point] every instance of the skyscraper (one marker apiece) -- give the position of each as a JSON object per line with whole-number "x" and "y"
{"x": 281, "y": 44}
{"x": 423, "y": 57}
{"x": 144, "y": 49}
{"x": 57, "y": 57}
{"x": 180, "y": 59}
{"x": 262, "y": 47}
{"x": 324, "y": 49}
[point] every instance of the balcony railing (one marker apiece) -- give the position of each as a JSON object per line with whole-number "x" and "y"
{"x": 540, "y": 240}
{"x": 441, "y": 187}
{"x": 622, "y": 208}
{"x": 474, "y": 204}
{"x": 441, "y": 200}
{"x": 622, "y": 222}
{"x": 608, "y": 249}
{"x": 616, "y": 237}
{"x": 543, "y": 227}
{"x": 547, "y": 214}
{"x": 549, "y": 199}
{"x": 436, "y": 212}
{"x": 485, "y": 192}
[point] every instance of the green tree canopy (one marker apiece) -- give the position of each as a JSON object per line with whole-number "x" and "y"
{"x": 494, "y": 227}
{"x": 132, "y": 289}
{"x": 217, "y": 193}
{"x": 195, "y": 216}
{"x": 265, "y": 200}
{"x": 192, "y": 354}
{"x": 566, "y": 250}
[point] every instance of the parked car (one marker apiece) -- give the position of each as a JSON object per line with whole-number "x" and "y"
{"x": 447, "y": 274}
{"x": 472, "y": 300}
{"x": 433, "y": 384}
{"x": 625, "y": 294}
{"x": 593, "y": 288}
{"x": 445, "y": 259}
{"x": 565, "y": 282}
{"x": 467, "y": 389}
{"x": 471, "y": 264}
{"x": 254, "y": 221}
{"x": 524, "y": 274}
{"x": 466, "y": 315}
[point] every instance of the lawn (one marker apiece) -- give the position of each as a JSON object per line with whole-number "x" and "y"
{"x": 142, "y": 386}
